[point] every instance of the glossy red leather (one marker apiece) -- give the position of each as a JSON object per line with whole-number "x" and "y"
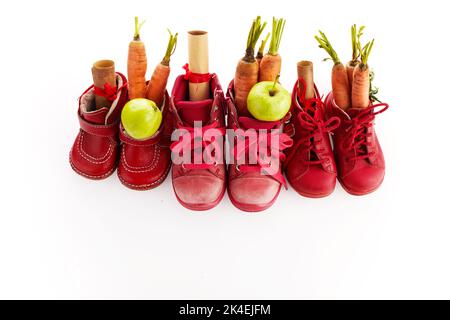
{"x": 145, "y": 164}
{"x": 358, "y": 154}
{"x": 250, "y": 191}
{"x": 94, "y": 152}
{"x": 310, "y": 167}
{"x": 198, "y": 189}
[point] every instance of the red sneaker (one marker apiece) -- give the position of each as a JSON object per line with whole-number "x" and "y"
{"x": 310, "y": 167}
{"x": 198, "y": 186}
{"x": 145, "y": 164}
{"x": 94, "y": 152}
{"x": 249, "y": 188}
{"x": 358, "y": 153}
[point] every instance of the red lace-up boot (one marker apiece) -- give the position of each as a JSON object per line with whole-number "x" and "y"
{"x": 358, "y": 154}
{"x": 94, "y": 152}
{"x": 250, "y": 188}
{"x": 309, "y": 166}
{"x": 145, "y": 164}
{"x": 198, "y": 185}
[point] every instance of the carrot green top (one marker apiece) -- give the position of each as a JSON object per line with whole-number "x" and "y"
{"x": 325, "y": 44}
{"x": 277, "y": 33}
{"x": 262, "y": 46}
{"x": 253, "y": 36}
{"x": 356, "y": 35}
{"x": 365, "y": 52}
{"x": 137, "y": 28}
{"x": 171, "y": 47}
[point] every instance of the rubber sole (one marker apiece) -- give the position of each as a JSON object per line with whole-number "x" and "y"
{"x": 360, "y": 193}
{"x": 146, "y": 187}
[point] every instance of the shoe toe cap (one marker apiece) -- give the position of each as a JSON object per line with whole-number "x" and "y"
{"x": 364, "y": 180}
{"x": 199, "y": 190}
{"x": 314, "y": 183}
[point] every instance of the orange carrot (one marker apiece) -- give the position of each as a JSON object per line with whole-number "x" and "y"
{"x": 270, "y": 66}
{"x": 361, "y": 79}
{"x": 158, "y": 82}
{"x": 339, "y": 78}
{"x": 137, "y": 64}
{"x": 356, "y": 35}
{"x": 246, "y": 75}
{"x": 260, "y": 53}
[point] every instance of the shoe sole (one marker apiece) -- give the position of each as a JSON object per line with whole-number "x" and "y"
{"x": 90, "y": 177}
{"x": 359, "y": 193}
{"x": 146, "y": 187}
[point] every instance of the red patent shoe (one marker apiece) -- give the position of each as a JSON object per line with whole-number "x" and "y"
{"x": 358, "y": 153}
{"x": 95, "y": 150}
{"x": 310, "y": 167}
{"x": 145, "y": 164}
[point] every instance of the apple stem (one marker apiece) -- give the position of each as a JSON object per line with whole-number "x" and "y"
{"x": 272, "y": 91}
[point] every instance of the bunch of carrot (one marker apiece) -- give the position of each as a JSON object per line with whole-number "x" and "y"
{"x": 137, "y": 68}
{"x": 351, "y": 83}
{"x": 264, "y": 67}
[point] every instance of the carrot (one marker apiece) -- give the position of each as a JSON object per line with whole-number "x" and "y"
{"x": 356, "y": 35}
{"x": 361, "y": 79}
{"x": 339, "y": 79}
{"x": 137, "y": 64}
{"x": 270, "y": 66}
{"x": 305, "y": 72}
{"x": 260, "y": 53}
{"x": 158, "y": 82}
{"x": 246, "y": 75}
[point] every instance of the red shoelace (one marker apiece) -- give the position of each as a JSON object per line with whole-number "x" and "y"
{"x": 358, "y": 131}
{"x": 261, "y": 153}
{"x": 208, "y": 135}
{"x": 313, "y": 126}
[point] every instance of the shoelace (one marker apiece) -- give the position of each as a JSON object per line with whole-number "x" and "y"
{"x": 187, "y": 141}
{"x": 261, "y": 156}
{"x": 309, "y": 143}
{"x": 357, "y": 131}
{"x": 313, "y": 126}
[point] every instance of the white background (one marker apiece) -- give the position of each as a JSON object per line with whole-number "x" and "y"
{"x": 62, "y": 236}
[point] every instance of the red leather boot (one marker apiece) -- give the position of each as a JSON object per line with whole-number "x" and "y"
{"x": 358, "y": 153}
{"x": 310, "y": 167}
{"x": 145, "y": 164}
{"x": 198, "y": 186}
{"x": 94, "y": 152}
{"x": 249, "y": 188}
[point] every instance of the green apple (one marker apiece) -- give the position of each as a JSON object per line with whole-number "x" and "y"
{"x": 141, "y": 118}
{"x": 268, "y": 101}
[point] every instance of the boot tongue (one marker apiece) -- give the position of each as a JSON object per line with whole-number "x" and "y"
{"x": 191, "y": 111}
{"x": 252, "y": 123}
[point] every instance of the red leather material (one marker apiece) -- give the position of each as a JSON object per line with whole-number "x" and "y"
{"x": 198, "y": 188}
{"x": 310, "y": 167}
{"x": 359, "y": 158}
{"x": 145, "y": 164}
{"x": 94, "y": 152}
{"x": 249, "y": 191}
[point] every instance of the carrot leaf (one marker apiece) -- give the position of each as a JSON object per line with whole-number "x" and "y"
{"x": 277, "y": 33}
{"x": 356, "y": 35}
{"x": 262, "y": 46}
{"x": 171, "y": 47}
{"x": 325, "y": 44}
{"x": 373, "y": 91}
{"x": 137, "y": 29}
{"x": 365, "y": 51}
{"x": 253, "y": 36}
